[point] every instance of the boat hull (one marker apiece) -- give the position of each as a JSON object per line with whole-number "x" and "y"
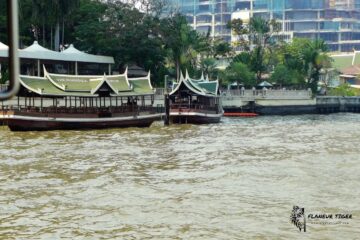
{"x": 193, "y": 117}
{"x": 28, "y": 123}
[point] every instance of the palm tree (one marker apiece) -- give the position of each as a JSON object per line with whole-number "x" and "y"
{"x": 53, "y": 13}
{"x": 61, "y": 9}
{"x": 260, "y": 33}
{"x": 316, "y": 58}
{"x": 183, "y": 43}
{"x": 40, "y": 15}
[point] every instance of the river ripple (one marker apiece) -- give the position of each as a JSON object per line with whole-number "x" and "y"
{"x": 234, "y": 180}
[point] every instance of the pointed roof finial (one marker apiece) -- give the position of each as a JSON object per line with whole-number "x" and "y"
{"x": 207, "y": 78}
{"x": 181, "y": 76}
{"x": 187, "y": 74}
{"x": 202, "y": 75}
{"x": 44, "y": 68}
{"x": 126, "y": 70}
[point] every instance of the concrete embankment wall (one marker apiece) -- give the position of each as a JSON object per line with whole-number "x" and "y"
{"x": 321, "y": 104}
{"x": 333, "y": 104}
{"x": 285, "y": 106}
{"x": 270, "y": 102}
{"x": 284, "y": 102}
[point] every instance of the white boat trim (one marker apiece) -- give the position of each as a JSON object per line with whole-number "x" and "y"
{"x": 210, "y": 115}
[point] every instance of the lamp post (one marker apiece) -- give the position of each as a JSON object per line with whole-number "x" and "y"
{"x": 166, "y": 103}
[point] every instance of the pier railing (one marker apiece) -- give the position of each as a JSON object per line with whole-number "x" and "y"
{"x": 79, "y": 110}
{"x": 250, "y": 94}
{"x": 186, "y": 106}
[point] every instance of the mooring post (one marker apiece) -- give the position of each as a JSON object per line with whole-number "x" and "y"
{"x": 166, "y": 104}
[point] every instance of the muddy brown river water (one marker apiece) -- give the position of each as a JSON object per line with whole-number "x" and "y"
{"x": 235, "y": 180}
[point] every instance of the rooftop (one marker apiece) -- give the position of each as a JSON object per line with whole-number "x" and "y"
{"x": 87, "y": 86}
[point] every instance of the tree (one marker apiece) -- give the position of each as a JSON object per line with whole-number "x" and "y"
{"x": 258, "y": 38}
{"x": 221, "y": 49}
{"x": 208, "y": 67}
{"x": 122, "y": 31}
{"x": 261, "y": 32}
{"x": 344, "y": 90}
{"x": 243, "y": 57}
{"x": 286, "y": 77}
{"x": 182, "y": 42}
{"x": 240, "y": 73}
{"x": 316, "y": 58}
{"x": 241, "y": 31}
{"x": 3, "y": 21}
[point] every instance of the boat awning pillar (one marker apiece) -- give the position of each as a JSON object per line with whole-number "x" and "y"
{"x": 76, "y": 68}
{"x": 38, "y": 67}
{"x": 109, "y": 69}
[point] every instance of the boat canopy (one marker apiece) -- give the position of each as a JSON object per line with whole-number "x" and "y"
{"x": 87, "y": 85}
{"x": 201, "y": 86}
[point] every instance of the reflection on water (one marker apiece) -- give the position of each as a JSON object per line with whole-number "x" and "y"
{"x": 234, "y": 180}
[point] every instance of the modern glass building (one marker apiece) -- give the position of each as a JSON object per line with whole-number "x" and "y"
{"x": 335, "y": 21}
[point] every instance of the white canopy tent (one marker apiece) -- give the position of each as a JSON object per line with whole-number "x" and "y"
{"x": 75, "y": 55}
{"x": 3, "y": 53}
{"x": 3, "y": 50}
{"x": 38, "y": 53}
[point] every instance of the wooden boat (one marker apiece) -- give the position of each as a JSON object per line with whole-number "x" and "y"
{"x": 195, "y": 101}
{"x": 59, "y": 101}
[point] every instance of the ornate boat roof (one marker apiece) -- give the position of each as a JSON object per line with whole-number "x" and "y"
{"x": 87, "y": 85}
{"x": 201, "y": 86}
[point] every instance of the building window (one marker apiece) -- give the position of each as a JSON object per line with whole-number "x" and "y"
{"x": 204, "y": 8}
{"x": 242, "y": 6}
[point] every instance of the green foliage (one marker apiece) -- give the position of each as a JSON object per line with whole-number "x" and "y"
{"x": 208, "y": 67}
{"x": 258, "y": 43}
{"x": 237, "y": 26}
{"x": 117, "y": 29}
{"x": 4, "y": 75}
{"x": 307, "y": 58}
{"x": 222, "y": 49}
{"x": 3, "y": 19}
{"x": 294, "y": 63}
{"x": 344, "y": 90}
{"x": 284, "y": 76}
{"x": 240, "y": 73}
{"x": 183, "y": 44}
{"x": 315, "y": 58}
{"x": 243, "y": 57}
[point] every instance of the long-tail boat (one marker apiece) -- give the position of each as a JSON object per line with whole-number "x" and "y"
{"x": 58, "y": 101}
{"x": 195, "y": 101}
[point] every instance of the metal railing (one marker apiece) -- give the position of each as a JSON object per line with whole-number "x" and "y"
{"x": 186, "y": 106}
{"x": 269, "y": 94}
{"x": 256, "y": 94}
{"x": 78, "y": 110}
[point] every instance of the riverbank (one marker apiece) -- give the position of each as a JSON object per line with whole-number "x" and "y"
{"x": 320, "y": 105}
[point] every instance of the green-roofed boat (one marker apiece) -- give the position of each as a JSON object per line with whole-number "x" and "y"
{"x": 195, "y": 101}
{"x": 58, "y": 101}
